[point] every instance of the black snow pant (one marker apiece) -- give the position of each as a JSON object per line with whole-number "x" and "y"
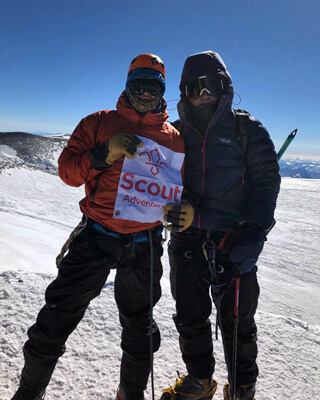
{"x": 191, "y": 286}
{"x": 81, "y": 277}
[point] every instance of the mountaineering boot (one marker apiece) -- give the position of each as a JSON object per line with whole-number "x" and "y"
{"x": 244, "y": 392}
{"x": 188, "y": 387}
{"x": 122, "y": 395}
{"x": 23, "y": 394}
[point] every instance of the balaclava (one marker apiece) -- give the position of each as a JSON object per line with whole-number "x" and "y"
{"x": 204, "y": 64}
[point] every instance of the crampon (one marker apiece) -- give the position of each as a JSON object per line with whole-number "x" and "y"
{"x": 245, "y": 392}
{"x": 184, "y": 391}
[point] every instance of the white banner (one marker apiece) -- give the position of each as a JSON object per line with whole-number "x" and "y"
{"x": 148, "y": 182}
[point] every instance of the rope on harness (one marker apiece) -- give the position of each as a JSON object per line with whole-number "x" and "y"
{"x": 78, "y": 229}
{"x": 151, "y": 314}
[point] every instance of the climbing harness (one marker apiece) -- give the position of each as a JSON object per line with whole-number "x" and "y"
{"x": 78, "y": 229}
{"x": 209, "y": 252}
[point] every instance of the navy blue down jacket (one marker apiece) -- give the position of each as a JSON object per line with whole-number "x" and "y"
{"x": 225, "y": 187}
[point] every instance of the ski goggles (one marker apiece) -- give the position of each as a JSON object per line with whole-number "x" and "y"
{"x": 212, "y": 85}
{"x": 139, "y": 86}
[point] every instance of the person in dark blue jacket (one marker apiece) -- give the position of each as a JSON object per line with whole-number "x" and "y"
{"x": 233, "y": 185}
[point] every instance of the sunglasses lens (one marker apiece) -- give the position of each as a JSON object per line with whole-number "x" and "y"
{"x": 210, "y": 85}
{"x": 139, "y": 86}
{"x": 153, "y": 92}
{"x": 136, "y": 90}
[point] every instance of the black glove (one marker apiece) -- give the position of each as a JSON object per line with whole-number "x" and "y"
{"x": 246, "y": 250}
{"x": 98, "y": 157}
{"x": 104, "y": 155}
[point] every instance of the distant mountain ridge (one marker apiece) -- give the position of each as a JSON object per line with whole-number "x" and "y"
{"x": 41, "y": 133}
{"x": 42, "y": 152}
{"x": 300, "y": 168}
{"x": 26, "y": 149}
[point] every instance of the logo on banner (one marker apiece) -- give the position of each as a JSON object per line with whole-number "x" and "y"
{"x": 154, "y": 160}
{"x": 151, "y": 188}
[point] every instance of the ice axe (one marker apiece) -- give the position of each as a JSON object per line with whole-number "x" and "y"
{"x": 286, "y": 143}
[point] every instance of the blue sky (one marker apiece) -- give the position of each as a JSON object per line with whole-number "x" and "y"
{"x": 62, "y": 60}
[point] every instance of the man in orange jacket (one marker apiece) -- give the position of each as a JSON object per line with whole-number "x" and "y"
{"x": 95, "y": 156}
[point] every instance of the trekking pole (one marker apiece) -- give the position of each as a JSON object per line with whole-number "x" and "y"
{"x": 280, "y": 153}
{"x": 235, "y": 337}
{"x": 151, "y": 315}
{"x": 286, "y": 143}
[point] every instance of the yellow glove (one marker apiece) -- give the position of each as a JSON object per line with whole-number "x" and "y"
{"x": 179, "y": 215}
{"x": 122, "y": 144}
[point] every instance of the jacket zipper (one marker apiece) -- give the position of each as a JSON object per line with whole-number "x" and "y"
{"x": 203, "y": 151}
{"x": 203, "y": 137}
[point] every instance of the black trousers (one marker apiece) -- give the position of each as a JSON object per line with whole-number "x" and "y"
{"x": 191, "y": 287}
{"x": 80, "y": 279}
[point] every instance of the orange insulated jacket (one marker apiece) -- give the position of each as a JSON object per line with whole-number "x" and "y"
{"x": 101, "y": 185}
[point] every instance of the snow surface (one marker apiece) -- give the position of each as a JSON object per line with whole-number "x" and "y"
{"x": 6, "y": 152}
{"x": 37, "y": 214}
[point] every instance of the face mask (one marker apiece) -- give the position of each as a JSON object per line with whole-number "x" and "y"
{"x": 144, "y": 106}
{"x": 201, "y": 115}
{"x": 136, "y": 90}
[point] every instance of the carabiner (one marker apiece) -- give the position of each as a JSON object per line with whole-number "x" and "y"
{"x": 209, "y": 250}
